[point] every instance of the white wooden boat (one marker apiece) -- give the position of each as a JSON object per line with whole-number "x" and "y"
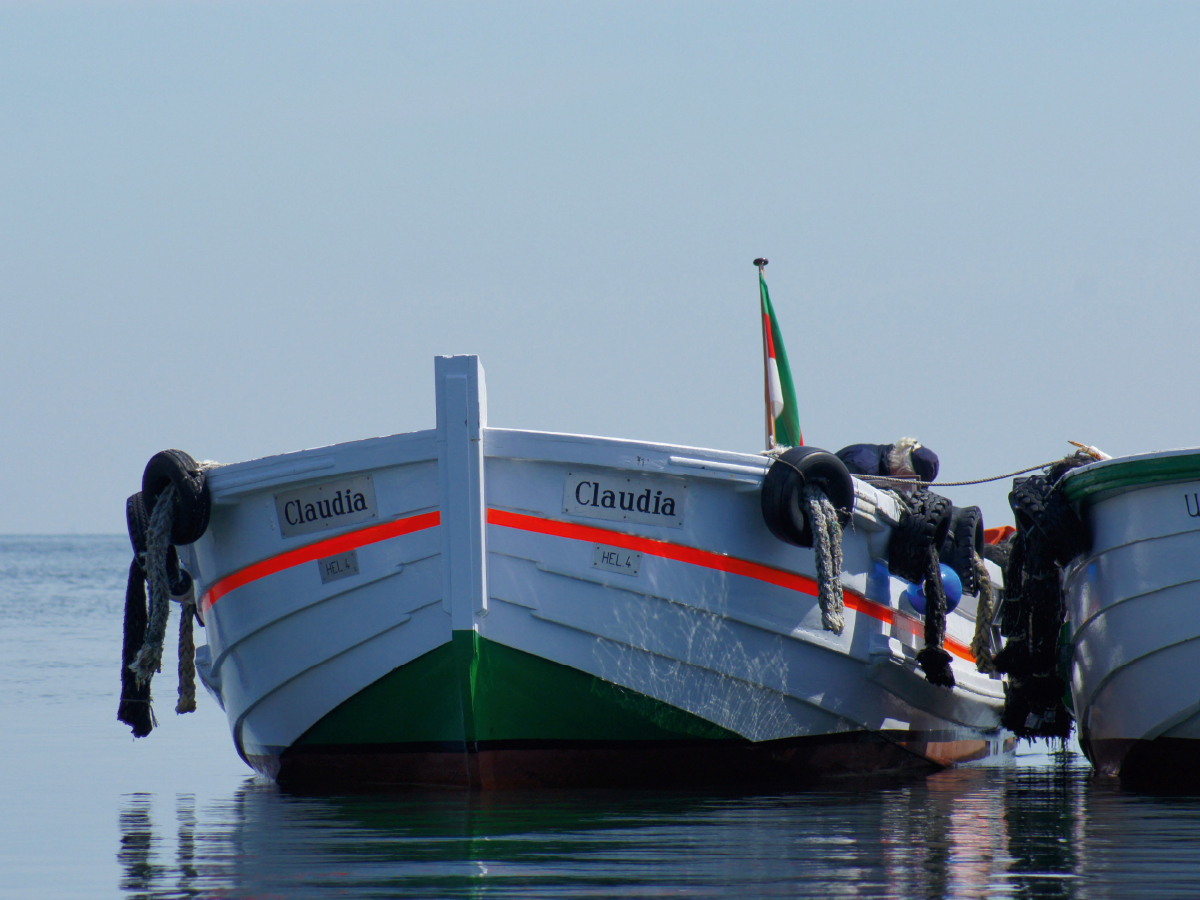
{"x": 484, "y": 607}
{"x": 1133, "y": 604}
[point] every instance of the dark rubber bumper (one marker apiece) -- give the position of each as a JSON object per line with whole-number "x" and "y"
{"x": 924, "y": 522}
{"x": 193, "y": 504}
{"x": 963, "y": 542}
{"x": 784, "y": 485}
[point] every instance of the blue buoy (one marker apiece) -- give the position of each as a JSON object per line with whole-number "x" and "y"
{"x": 951, "y": 584}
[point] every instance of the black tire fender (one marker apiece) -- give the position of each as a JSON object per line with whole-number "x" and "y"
{"x": 784, "y": 483}
{"x": 136, "y": 521}
{"x": 925, "y": 521}
{"x": 1038, "y": 505}
{"x": 964, "y": 540}
{"x": 193, "y": 505}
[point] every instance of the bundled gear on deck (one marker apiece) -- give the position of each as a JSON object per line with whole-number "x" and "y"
{"x": 1048, "y": 535}
{"x": 905, "y": 459}
{"x": 808, "y": 494}
{"x": 958, "y": 542}
{"x": 913, "y": 555}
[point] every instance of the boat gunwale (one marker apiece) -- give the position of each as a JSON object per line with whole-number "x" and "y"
{"x": 1108, "y": 478}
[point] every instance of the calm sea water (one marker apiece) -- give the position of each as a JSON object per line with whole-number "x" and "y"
{"x": 89, "y": 812}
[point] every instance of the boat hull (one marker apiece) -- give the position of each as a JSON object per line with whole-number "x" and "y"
{"x": 779, "y": 764}
{"x": 1164, "y": 763}
{"x": 1134, "y": 610}
{"x": 541, "y": 724}
{"x": 493, "y": 619}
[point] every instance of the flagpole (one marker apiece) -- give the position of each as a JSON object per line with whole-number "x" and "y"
{"x": 762, "y": 316}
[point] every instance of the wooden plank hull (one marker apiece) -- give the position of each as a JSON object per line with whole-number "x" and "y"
{"x": 515, "y": 608}
{"x": 1134, "y": 610}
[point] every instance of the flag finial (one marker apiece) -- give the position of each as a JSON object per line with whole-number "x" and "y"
{"x": 761, "y": 261}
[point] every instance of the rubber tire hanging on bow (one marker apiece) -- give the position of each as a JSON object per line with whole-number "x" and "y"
{"x": 913, "y": 556}
{"x": 964, "y": 541}
{"x": 191, "y": 508}
{"x": 193, "y": 505}
{"x": 924, "y": 522}
{"x": 783, "y": 487}
{"x": 137, "y": 520}
{"x": 1037, "y": 505}
{"x": 1049, "y": 535}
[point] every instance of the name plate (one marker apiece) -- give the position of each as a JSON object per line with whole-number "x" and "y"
{"x": 615, "y": 559}
{"x": 341, "y": 566}
{"x": 645, "y": 499}
{"x": 324, "y": 506}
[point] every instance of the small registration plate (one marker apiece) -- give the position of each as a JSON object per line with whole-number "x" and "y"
{"x": 616, "y": 559}
{"x": 341, "y": 566}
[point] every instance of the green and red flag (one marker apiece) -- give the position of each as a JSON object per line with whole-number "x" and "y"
{"x": 783, "y": 414}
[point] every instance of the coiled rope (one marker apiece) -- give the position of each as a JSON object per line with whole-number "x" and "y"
{"x": 827, "y": 547}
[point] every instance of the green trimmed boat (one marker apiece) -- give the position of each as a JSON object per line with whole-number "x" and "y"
{"x": 1134, "y": 611}
{"x": 480, "y": 607}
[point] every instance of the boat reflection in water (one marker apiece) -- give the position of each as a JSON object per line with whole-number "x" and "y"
{"x": 975, "y": 832}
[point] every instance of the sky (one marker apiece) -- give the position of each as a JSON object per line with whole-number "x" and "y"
{"x": 242, "y": 229}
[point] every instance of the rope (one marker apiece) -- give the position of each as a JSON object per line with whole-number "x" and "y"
{"x": 158, "y": 542}
{"x": 159, "y": 562}
{"x": 914, "y": 483}
{"x": 933, "y": 658}
{"x": 186, "y": 653}
{"x": 981, "y": 644}
{"x": 187, "y": 656}
{"x": 134, "y": 709}
{"x": 827, "y": 546}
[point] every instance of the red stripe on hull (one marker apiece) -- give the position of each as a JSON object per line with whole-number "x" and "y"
{"x": 709, "y": 560}
{"x": 343, "y": 543}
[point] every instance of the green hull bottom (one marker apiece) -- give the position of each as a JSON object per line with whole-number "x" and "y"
{"x": 474, "y": 713}
{"x": 473, "y": 690}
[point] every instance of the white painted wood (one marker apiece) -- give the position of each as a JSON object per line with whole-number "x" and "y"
{"x": 1134, "y": 608}
{"x": 462, "y": 417}
{"x": 286, "y": 648}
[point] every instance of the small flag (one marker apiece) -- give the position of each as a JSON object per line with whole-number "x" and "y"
{"x": 781, "y": 395}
